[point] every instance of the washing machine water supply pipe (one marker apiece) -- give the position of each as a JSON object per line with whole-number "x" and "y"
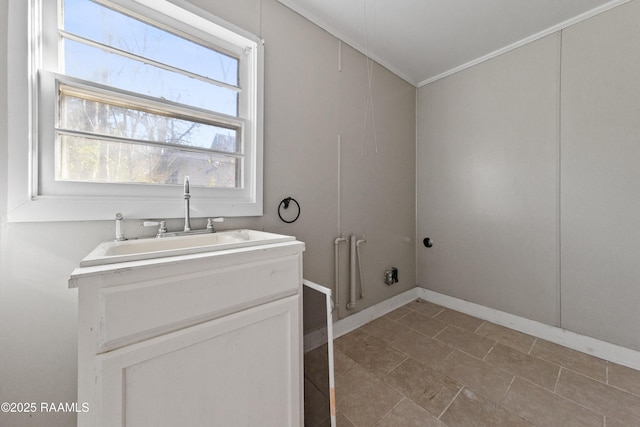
{"x": 336, "y": 254}
{"x": 358, "y": 243}
{"x": 353, "y": 284}
{"x": 355, "y": 268}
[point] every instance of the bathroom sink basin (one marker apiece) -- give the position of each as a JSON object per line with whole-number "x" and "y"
{"x": 143, "y": 249}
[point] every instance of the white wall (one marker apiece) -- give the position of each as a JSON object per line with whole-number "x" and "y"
{"x": 601, "y": 176}
{"x": 487, "y": 183}
{"x": 528, "y": 180}
{"x": 308, "y": 102}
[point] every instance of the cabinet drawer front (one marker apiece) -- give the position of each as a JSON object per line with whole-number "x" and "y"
{"x": 239, "y": 370}
{"x": 139, "y": 311}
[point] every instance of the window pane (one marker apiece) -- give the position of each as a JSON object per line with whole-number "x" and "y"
{"x": 85, "y": 115}
{"x": 92, "y": 160}
{"x": 106, "y": 26}
{"x": 96, "y": 65}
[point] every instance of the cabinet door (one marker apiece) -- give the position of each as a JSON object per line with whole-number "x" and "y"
{"x": 240, "y": 370}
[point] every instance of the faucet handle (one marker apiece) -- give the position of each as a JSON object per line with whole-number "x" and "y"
{"x": 210, "y": 222}
{"x": 161, "y": 229}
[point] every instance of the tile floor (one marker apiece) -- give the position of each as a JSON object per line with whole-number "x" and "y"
{"x": 424, "y": 365}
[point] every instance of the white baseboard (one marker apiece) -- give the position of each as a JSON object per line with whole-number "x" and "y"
{"x": 317, "y": 338}
{"x": 602, "y": 349}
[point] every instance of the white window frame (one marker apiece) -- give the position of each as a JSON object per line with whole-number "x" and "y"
{"x": 30, "y": 105}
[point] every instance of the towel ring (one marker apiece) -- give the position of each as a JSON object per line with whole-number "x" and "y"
{"x": 285, "y": 202}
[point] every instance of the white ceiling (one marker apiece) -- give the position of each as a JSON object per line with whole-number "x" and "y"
{"x": 423, "y": 40}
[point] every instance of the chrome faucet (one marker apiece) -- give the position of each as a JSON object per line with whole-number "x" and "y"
{"x": 187, "y": 196}
{"x": 162, "y": 230}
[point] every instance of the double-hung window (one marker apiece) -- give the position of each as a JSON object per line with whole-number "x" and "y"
{"x": 129, "y": 97}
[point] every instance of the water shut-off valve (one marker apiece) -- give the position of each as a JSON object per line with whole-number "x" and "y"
{"x": 391, "y": 276}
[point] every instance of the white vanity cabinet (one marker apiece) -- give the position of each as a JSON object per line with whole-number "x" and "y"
{"x": 209, "y": 339}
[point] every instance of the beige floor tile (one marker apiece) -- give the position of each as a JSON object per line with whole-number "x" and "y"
{"x": 350, "y": 339}
{"x": 612, "y": 422}
{"x": 424, "y": 349}
{"x": 460, "y": 320}
{"x": 375, "y": 355}
{"x": 385, "y": 329}
{"x": 534, "y": 369}
{"x": 481, "y": 377}
{"x": 397, "y": 313}
{"x": 408, "y": 414}
{"x": 546, "y": 409}
{"x": 422, "y": 323}
{"x": 342, "y": 421}
{"x": 506, "y": 336}
{"x": 362, "y": 398}
{"x": 428, "y": 388}
{"x": 425, "y": 307}
{"x": 341, "y": 362}
{"x": 475, "y": 345}
{"x": 569, "y": 358}
{"x": 599, "y": 397}
{"x": 316, "y": 405}
{"x": 471, "y": 409}
{"x": 403, "y": 376}
{"x": 625, "y": 378}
